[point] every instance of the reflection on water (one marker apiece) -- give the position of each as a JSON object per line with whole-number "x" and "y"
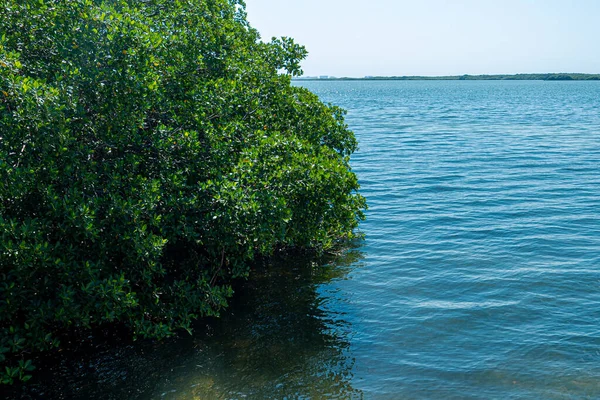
{"x": 281, "y": 338}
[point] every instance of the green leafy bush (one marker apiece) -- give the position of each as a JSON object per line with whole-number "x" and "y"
{"x": 148, "y": 151}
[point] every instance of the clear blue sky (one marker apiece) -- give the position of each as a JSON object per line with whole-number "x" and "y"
{"x": 436, "y": 37}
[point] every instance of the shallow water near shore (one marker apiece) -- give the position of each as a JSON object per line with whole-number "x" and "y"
{"x": 479, "y": 277}
{"x": 277, "y": 340}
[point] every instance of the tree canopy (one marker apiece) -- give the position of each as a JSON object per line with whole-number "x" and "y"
{"x": 149, "y": 150}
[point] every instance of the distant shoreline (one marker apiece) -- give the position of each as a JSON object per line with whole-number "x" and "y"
{"x": 515, "y": 77}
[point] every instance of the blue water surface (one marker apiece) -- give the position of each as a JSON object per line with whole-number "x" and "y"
{"x": 481, "y": 269}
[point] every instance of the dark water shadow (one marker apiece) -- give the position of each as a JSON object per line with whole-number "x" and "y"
{"x": 281, "y": 338}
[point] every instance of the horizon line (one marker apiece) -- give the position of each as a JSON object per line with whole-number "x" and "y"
{"x": 517, "y": 76}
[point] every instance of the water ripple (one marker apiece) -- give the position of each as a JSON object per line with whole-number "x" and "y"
{"x": 481, "y": 276}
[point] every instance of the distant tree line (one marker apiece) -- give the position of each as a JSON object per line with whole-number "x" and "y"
{"x": 516, "y": 77}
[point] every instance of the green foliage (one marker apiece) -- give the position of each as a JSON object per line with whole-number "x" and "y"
{"x": 149, "y": 150}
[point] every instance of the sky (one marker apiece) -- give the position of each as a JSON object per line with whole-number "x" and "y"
{"x": 358, "y": 38}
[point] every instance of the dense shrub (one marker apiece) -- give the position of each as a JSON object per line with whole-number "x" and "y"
{"x": 148, "y": 151}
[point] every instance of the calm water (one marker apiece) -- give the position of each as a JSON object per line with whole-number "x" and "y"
{"x": 479, "y": 277}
